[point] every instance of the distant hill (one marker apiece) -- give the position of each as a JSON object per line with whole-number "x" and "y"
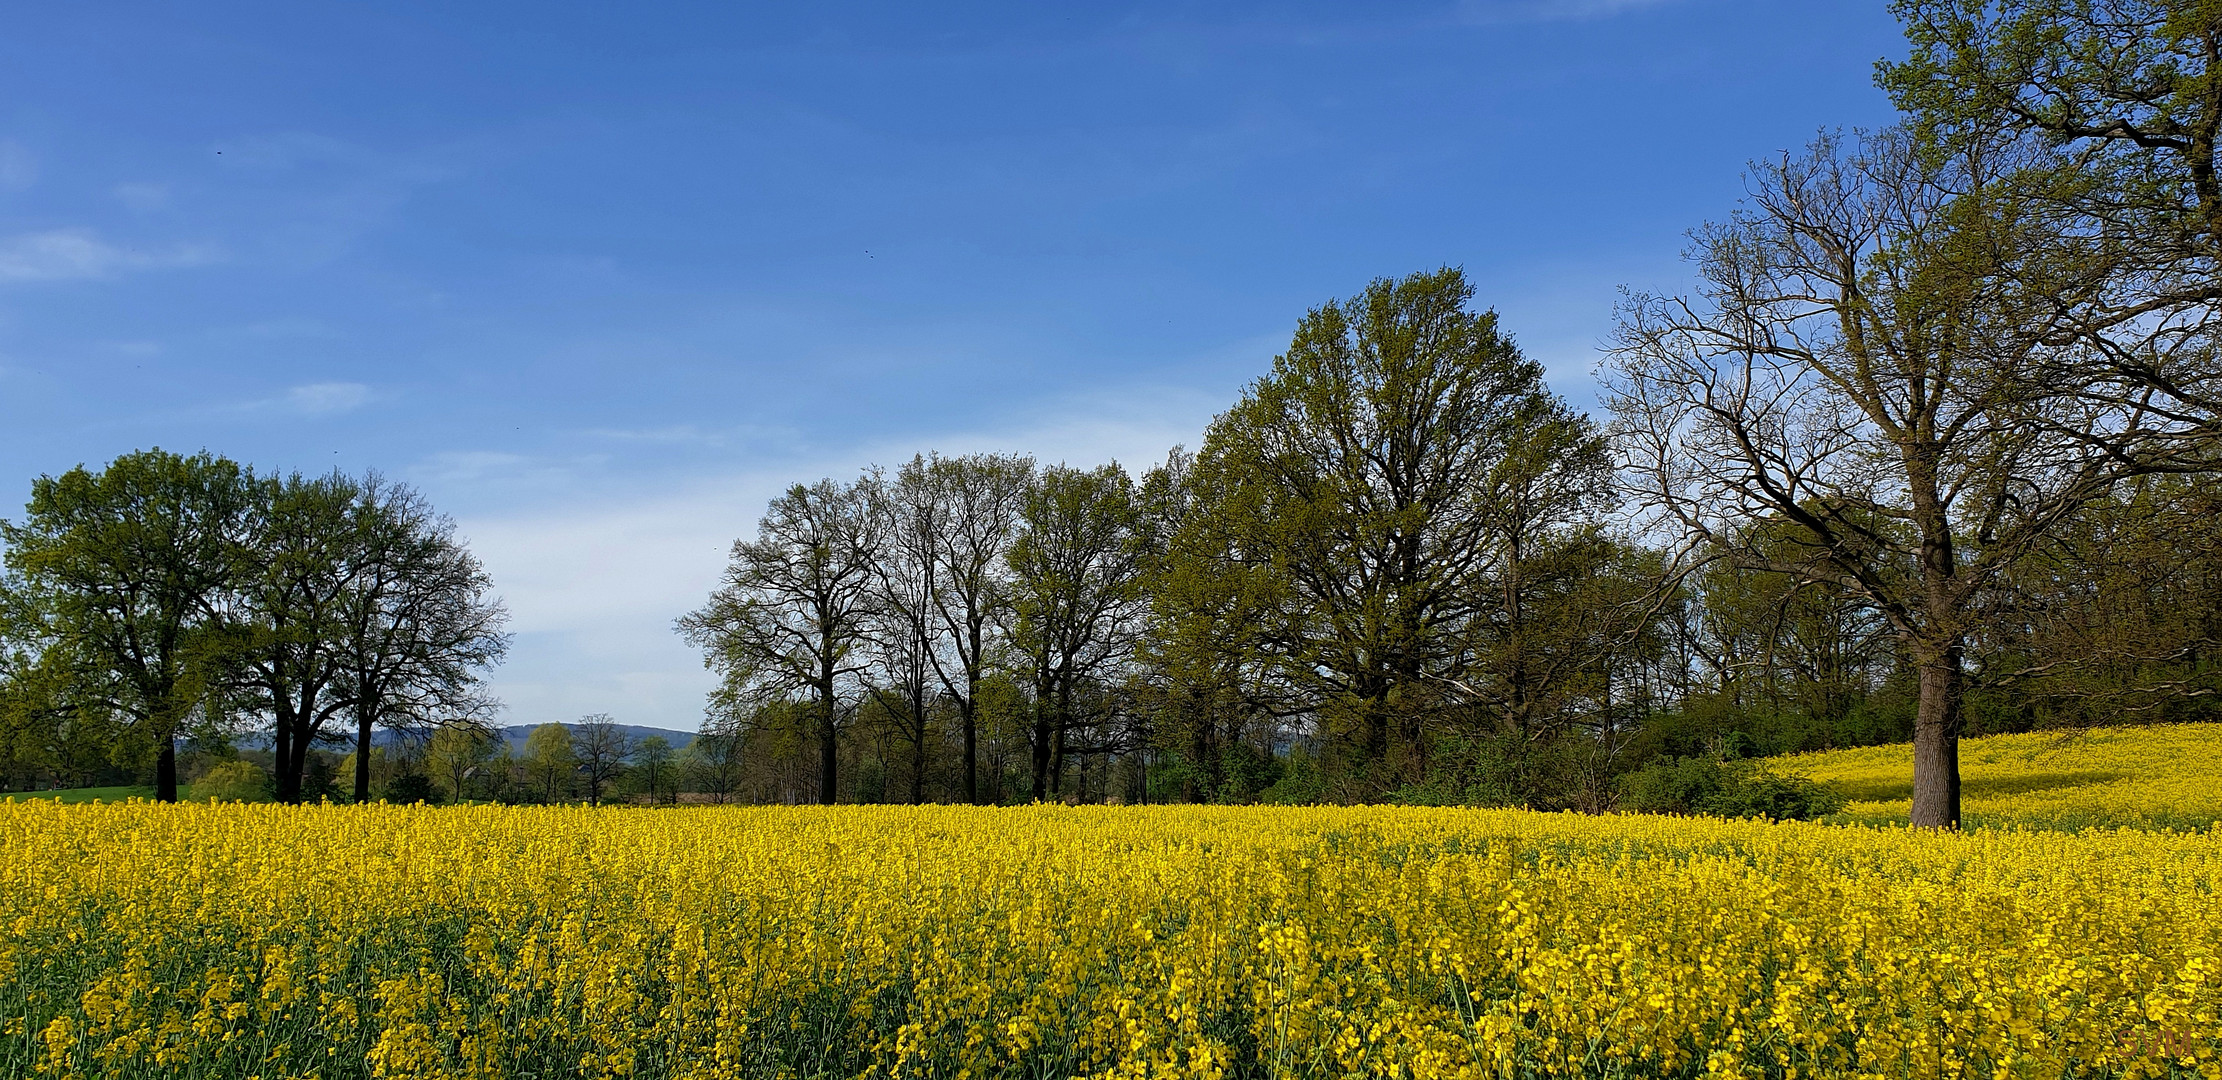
{"x": 513, "y": 734}
{"x": 516, "y": 734}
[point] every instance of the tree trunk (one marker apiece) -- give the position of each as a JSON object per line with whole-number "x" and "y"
{"x": 288, "y": 781}
{"x": 971, "y": 751}
{"x": 362, "y": 759}
{"x": 165, "y": 771}
{"x": 918, "y": 762}
{"x": 1057, "y": 760}
{"x": 828, "y": 756}
{"x": 1936, "y": 743}
{"x": 1041, "y": 749}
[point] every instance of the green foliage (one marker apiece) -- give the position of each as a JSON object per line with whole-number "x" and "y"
{"x": 550, "y": 762}
{"x": 411, "y": 788}
{"x": 232, "y": 781}
{"x": 1394, "y": 531}
{"x": 1726, "y": 788}
{"x": 1301, "y": 782}
{"x": 121, "y": 793}
{"x": 655, "y": 771}
{"x": 117, "y": 576}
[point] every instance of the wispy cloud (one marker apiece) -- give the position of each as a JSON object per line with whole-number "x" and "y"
{"x": 18, "y": 168}
{"x": 1525, "y": 11}
{"x": 691, "y": 435}
{"x": 70, "y": 254}
{"x": 595, "y": 578}
{"x": 320, "y": 194}
{"x": 327, "y": 398}
{"x": 142, "y": 197}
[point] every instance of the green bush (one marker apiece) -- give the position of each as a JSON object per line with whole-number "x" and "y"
{"x": 1299, "y": 784}
{"x": 411, "y": 788}
{"x": 1716, "y": 788}
{"x": 232, "y": 781}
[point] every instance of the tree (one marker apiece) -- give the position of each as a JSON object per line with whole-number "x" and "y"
{"x": 284, "y": 616}
{"x": 2131, "y": 90}
{"x": 2119, "y": 615}
{"x": 976, "y": 499}
{"x": 793, "y": 611}
{"x": 1380, "y": 518}
{"x": 1776, "y": 647}
{"x": 711, "y": 763}
{"x": 1207, "y": 680}
{"x": 124, "y": 570}
{"x": 903, "y": 629}
{"x": 456, "y": 753}
{"x": 652, "y": 761}
{"x": 1075, "y": 596}
{"x": 419, "y": 623}
{"x": 1872, "y": 370}
{"x": 549, "y": 760}
{"x": 600, "y": 747}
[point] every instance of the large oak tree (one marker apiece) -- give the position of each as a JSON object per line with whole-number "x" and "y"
{"x": 1871, "y": 391}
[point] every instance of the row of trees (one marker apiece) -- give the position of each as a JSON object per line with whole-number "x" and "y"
{"x": 1931, "y": 443}
{"x": 1929, "y": 448}
{"x": 171, "y": 596}
{"x": 591, "y": 760}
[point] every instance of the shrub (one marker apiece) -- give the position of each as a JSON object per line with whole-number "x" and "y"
{"x": 1299, "y": 784}
{"x": 232, "y": 781}
{"x": 1736, "y": 789}
{"x": 411, "y": 788}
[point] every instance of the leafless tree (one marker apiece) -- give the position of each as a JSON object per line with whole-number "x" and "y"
{"x": 1077, "y": 598}
{"x": 977, "y": 500}
{"x": 1871, "y": 391}
{"x": 792, "y": 612}
{"x": 601, "y": 748}
{"x": 419, "y": 625}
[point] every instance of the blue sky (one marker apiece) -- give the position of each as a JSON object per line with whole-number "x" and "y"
{"x": 601, "y": 278}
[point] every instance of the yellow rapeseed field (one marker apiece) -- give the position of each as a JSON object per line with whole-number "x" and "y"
{"x": 2167, "y": 776}
{"x": 265, "y": 941}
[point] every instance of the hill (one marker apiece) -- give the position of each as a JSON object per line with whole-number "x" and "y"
{"x": 516, "y": 734}
{"x": 2159, "y": 777}
{"x": 513, "y": 734}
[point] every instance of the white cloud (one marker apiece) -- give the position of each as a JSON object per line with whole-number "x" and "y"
{"x": 690, "y": 435}
{"x": 67, "y": 254}
{"x": 593, "y": 583}
{"x": 327, "y": 398}
{"x": 1516, "y": 11}
{"x": 308, "y": 400}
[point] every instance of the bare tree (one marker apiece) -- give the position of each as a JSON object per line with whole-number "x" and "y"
{"x": 711, "y": 763}
{"x": 418, "y": 625}
{"x": 601, "y": 748}
{"x": 792, "y": 611}
{"x": 904, "y": 628}
{"x": 977, "y": 500}
{"x": 1871, "y": 392}
{"x": 1077, "y": 598}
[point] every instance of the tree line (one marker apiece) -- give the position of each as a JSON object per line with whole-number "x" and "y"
{"x": 170, "y": 599}
{"x": 1928, "y": 449}
{"x": 592, "y": 759}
